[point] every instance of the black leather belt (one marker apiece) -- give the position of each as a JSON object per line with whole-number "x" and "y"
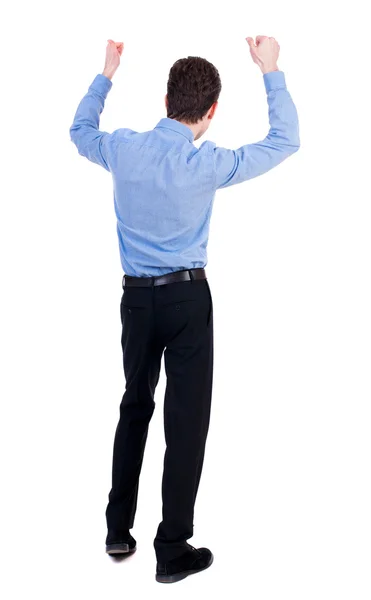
{"x": 184, "y": 275}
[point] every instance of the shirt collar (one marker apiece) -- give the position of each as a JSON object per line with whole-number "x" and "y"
{"x": 177, "y": 127}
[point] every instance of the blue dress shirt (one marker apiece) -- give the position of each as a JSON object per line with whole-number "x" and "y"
{"x": 164, "y": 186}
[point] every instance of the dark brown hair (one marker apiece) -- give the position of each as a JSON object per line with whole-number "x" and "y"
{"x": 193, "y": 86}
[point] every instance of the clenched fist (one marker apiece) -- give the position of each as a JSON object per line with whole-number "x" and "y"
{"x": 113, "y": 53}
{"x": 264, "y": 52}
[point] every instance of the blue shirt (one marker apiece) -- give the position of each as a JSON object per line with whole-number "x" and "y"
{"x": 164, "y": 186}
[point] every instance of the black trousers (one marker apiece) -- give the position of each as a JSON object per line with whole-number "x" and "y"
{"x": 174, "y": 319}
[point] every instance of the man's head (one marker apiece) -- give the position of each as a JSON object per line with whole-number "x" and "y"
{"x": 193, "y": 90}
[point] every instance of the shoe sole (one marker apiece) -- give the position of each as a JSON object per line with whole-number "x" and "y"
{"x": 119, "y": 549}
{"x": 182, "y": 575}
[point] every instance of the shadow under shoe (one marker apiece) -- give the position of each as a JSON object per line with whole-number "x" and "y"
{"x": 190, "y": 562}
{"x": 120, "y": 542}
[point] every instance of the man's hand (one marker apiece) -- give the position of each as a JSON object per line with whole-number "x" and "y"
{"x": 113, "y": 53}
{"x": 265, "y": 52}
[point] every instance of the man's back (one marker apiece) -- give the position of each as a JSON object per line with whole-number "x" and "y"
{"x": 163, "y": 193}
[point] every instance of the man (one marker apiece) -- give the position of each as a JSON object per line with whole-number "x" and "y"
{"x": 164, "y": 188}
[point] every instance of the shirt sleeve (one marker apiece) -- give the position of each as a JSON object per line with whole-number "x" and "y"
{"x": 84, "y": 131}
{"x": 251, "y": 160}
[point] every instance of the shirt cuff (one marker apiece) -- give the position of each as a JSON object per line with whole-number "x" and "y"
{"x": 101, "y": 84}
{"x": 274, "y": 80}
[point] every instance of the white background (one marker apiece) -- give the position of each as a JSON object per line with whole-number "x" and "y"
{"x": 284, "y": 499}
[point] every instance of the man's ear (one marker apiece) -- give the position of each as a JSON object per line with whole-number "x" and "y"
{"x": 166, "y": 100}
{"x": 213, "y": 109}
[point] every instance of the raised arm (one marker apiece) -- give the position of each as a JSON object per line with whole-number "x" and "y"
{"x": 251, "y": 160}
{"x": 84, "y": 131}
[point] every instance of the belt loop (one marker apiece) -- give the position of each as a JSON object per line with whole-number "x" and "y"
{"x": 191, "y": 275}
{"x": 153, "y": 289}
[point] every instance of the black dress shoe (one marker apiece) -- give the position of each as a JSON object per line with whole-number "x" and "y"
{"x": 120, "y": 543}
{"x": 192, "y": 561}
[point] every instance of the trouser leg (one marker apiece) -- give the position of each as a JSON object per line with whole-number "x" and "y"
{"x": 141, "y": 361}
{"x": 189, "y": 369}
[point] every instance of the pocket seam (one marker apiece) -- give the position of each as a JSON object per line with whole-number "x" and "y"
{"x": 211, "y": 304}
